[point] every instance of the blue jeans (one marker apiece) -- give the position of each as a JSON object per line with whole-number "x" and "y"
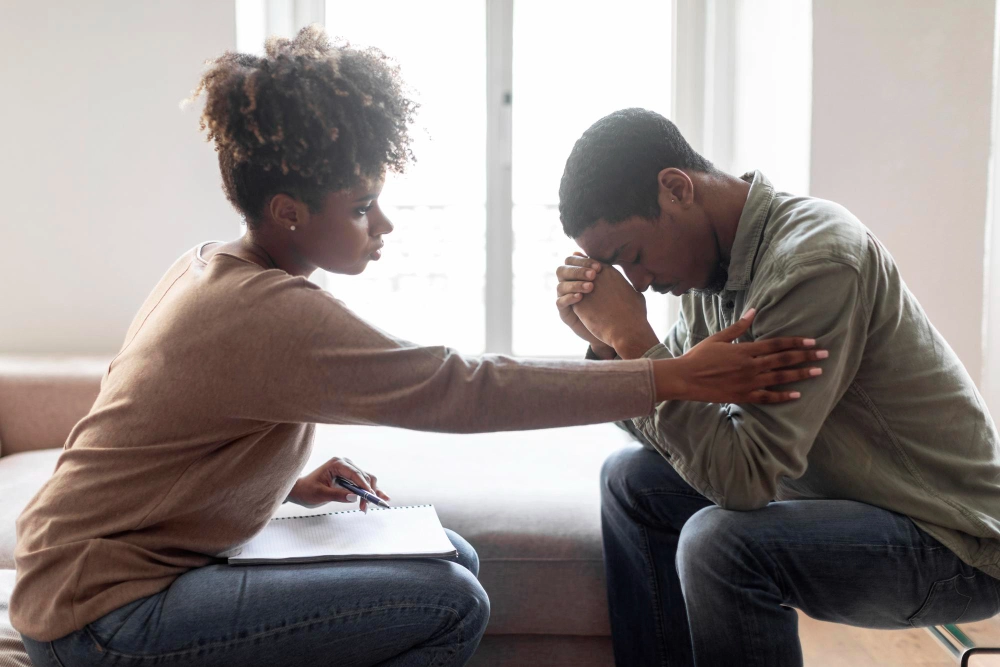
{"x": 393, "y": 613}
{"x": 690, "y": 583}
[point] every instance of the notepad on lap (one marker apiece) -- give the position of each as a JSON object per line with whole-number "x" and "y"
{"x": 397, "y": 532}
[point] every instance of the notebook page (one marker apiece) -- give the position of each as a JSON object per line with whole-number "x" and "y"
{"x": 398, "y": 532}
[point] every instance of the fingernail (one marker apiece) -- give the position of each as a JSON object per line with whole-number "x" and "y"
{"x": 595, "y": 266}
{"x": 795, "y": 394}
{"x": 591, "y": 274}
{"x": 809, "y": 342}
{"x": 350, "y": 497}
{"x": 815, "y": 371}
{"x": 749, "y": 313}
{"x": 588, "y": 285}
{"x": 822, "y": 354}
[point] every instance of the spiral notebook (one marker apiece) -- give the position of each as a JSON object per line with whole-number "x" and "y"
{"x": 397, "y": 532}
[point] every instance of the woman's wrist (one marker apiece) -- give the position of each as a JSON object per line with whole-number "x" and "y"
{"x": 669, "y": 379}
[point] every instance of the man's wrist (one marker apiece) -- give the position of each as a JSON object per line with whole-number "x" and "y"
{"x": 601, "y": 352}
{"x": 636, "y": 345}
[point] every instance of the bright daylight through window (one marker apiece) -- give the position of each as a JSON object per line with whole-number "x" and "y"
{"x": 430, "y": 285}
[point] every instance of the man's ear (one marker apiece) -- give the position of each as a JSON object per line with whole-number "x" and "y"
{"x": 289, "y": 213}
{"x": 676, "y": 189}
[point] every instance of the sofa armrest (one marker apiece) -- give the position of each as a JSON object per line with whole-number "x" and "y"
{"x": 42, "y": 398}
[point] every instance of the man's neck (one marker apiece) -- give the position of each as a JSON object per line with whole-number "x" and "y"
{"x": 722, "y": 197}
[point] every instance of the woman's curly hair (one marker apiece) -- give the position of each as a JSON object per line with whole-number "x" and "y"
{"x": 308, "y": 118}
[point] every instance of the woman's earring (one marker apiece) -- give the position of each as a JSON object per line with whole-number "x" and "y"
{"x": 292, "y": 228}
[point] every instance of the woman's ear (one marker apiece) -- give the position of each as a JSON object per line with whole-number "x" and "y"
{"x": 287, "y": 212}
{"x": 676, "y": 188}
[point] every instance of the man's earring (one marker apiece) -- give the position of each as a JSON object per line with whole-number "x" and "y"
{"x": 292, "y": 228}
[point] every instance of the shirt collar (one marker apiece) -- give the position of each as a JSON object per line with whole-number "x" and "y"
{"x": 749, "y": 231}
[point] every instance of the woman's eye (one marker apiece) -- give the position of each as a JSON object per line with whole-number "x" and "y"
{"x": 363, "y": 210}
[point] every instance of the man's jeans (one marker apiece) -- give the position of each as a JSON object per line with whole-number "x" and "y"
{"x": 395, "y": 613}
{"x": 690, "y": 583}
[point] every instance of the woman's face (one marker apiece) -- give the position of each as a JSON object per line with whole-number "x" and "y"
{"x": 346, "y": 233}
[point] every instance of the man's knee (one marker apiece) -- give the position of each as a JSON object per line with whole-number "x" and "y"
{"x": 712, "y": 541}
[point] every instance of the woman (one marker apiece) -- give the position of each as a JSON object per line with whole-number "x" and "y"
{"x": 206, "y": 416}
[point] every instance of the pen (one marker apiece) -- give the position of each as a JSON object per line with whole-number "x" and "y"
{"x": 361, "y": 493}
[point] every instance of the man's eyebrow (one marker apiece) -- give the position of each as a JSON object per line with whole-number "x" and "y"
{"x": 614, "y": 256}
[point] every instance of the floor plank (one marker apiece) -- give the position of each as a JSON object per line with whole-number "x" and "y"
{"x": 830, "y": 645}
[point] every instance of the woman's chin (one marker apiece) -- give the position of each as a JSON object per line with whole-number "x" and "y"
{"x": 353, "y": 270}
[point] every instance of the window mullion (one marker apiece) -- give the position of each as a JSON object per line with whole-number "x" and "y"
{"x": 499, "y": 199}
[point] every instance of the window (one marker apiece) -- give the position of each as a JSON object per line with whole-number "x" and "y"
{"x": 506, "y": 88}
{"x": 431, "y": 285}
{"x": 573, "y": 64}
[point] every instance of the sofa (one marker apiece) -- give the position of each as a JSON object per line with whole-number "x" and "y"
{"x": 528, "y": 502}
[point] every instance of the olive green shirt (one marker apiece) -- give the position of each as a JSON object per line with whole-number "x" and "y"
{"x": 895, "y": 421}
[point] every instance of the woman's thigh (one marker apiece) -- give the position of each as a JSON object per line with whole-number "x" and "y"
{"x": 345, "y": 613}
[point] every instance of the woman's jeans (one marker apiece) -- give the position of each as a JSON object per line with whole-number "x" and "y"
{"x": 690, "y": 583}
{"x": 393, "y": 613}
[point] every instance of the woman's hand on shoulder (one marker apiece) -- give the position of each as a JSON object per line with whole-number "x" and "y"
{"x": 719, "y": 371}
{"x": 318, "y": 487}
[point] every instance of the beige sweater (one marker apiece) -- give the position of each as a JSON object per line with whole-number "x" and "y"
{"x": 205, "y": 420}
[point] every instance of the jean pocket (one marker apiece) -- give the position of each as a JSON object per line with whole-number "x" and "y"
{"x": 947, "y": 602}
{"x": 104, "y": 629}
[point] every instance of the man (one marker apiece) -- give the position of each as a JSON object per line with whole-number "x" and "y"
{"x": 873, "y": 500}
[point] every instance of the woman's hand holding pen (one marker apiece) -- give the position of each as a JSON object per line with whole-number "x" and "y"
{"x": 319, "y": 487}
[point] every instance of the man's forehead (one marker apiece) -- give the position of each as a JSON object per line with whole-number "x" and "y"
{"x": 602, "y": 241}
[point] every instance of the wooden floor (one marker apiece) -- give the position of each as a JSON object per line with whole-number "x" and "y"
{"x": 828, "y": 645}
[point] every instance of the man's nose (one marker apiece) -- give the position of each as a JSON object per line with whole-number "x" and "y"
{"x": 640, "y": 278}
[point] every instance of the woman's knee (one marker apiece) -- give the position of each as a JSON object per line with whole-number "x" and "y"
{"x": 469, "y": 600}
{"x": 467, "y": 556}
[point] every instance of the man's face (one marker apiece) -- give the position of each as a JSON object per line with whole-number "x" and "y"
{"x": 669, "y": 254}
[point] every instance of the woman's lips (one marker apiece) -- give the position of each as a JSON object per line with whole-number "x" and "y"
{"x": 376, "y": 253}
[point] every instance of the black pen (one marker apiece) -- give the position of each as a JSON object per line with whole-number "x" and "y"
{"x": 365, "y": 495}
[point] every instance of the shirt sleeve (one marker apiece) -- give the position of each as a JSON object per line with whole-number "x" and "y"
{"x": 327, "y": 365}
{"x": 736, "y": 455}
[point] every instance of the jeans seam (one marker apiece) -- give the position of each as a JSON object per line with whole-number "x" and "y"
{"x": 52, "y": 653}
{"x": 276, "y": 631}
{"x": 657, "y": 599}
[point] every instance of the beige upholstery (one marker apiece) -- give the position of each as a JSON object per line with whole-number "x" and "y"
{"x": 42, "y": 398}
{"x": 528, "y": 502}
{"x": 11, "y": 650}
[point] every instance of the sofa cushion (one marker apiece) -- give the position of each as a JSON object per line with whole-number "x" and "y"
{"x": 41, "y": 399}
{"x": 11, "y": 649}
{"x": 21, "y": 475}
{"x": 528, "y": 501}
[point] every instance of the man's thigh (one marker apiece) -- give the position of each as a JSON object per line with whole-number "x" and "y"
{"x": 646, "y": 486}
{"x": 848, "y": 562}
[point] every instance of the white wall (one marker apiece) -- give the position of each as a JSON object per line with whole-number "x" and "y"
{"x": 901, "y": 136}
{"x": 104, "y": 181}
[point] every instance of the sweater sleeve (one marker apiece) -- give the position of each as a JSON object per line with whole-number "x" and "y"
{"x": 327, "y": 365}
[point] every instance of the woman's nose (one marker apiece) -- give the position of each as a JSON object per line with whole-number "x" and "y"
{"x": 381, "y": 225}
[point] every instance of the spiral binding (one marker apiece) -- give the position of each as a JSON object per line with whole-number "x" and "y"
{"x": 370, "y": 509}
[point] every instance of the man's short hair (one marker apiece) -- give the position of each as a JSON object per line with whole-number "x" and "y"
{"x": 611, "y": 173}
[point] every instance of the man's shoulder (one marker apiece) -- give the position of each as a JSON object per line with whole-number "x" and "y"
{"x": 807, "y": 230}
